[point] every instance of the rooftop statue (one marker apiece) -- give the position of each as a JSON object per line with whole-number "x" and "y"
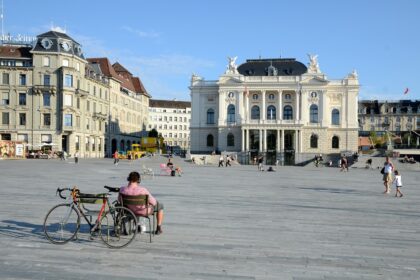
{"x": 313, "y": 64}
{"x": 232, "y": 68}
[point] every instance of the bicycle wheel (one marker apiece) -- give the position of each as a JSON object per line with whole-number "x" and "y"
{"x": 61, "y": 223}
{"x": 118, "y": 227}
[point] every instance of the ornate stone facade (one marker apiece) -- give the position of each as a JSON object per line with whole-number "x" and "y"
{"x": 275, "y": 107}
{"x": 53, "y": 96}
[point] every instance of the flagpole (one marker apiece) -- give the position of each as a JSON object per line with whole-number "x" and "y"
{"x": 2, "y": 25}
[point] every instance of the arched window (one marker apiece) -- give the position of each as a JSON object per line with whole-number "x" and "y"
{"x": 230, "y": 140}
{"x": 231, "y": 113}
{"x": 210, "y": 140}
{"x": 335, "y": 117}
{"x": 313, "y": 113}
{"x": 314, "y": 141}
{"x": 210, "y": 116}
{"x": 255, "y": 113}
{"x": 287, "y": 112}
{"x": 335, "y": 142}
{"x": 271, "y": 112}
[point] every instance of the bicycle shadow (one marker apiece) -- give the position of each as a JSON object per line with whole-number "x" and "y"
{"x": 35, "y": 232}
{"x": 21, "y": 230}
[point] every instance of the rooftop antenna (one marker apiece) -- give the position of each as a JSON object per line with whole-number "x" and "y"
{"x": 260, "y": 54}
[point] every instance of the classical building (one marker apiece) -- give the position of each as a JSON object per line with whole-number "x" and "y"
{"x": 275, "y": 107}
{"x": 53, "y": 96}
{"x": 398, "y": 117}
{"x": 172, "y": 120}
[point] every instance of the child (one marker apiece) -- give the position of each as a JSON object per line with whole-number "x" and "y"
{"x": 398, "y": 183}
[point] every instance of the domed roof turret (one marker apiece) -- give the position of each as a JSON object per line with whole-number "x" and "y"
{"x": 54, "y": 41}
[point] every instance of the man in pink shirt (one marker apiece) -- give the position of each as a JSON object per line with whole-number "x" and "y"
{"x": 133, "y": 188}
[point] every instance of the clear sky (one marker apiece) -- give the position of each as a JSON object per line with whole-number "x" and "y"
{"x": 164, "y": 42}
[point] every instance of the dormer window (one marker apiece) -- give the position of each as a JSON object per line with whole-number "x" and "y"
{"x": 255, "y": 96}
{"x": 287, "y": 97}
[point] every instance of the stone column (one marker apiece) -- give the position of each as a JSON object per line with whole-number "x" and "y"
{"x": 280, "y": 105}
{"x": 278, "y": 141}
{"x": 243, "y": 140}
{"x": 260, "y": 138}
{"x": 265, "y": 139}
{"x": 263, "y": 107}
{"x": 247, "y": 107}
{"x": 282, "y": 141}
{"x": 296, "y": 141}
{"x": 324, "y": 111}
{"x": 297, "y": 106}
{"x": 247, "y": 139}
{"x": 239, "y": 104}
{"x": 222, "y": 109}
{"x": 300, "y": 141}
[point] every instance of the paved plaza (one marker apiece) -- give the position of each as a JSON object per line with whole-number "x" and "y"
{"x": 301, "y": 223}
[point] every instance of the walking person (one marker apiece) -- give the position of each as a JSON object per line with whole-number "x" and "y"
{"x": 76, "y": 157}
{"x": 221, "y": 161}
{"x": 344, "y": 165}
{"x": 387, "y": 177}
{"x": 116, "y": 158}
{"x": 228, "y": 159}
{"x": 260, "y": 163}
{"x": 398, "y": 183}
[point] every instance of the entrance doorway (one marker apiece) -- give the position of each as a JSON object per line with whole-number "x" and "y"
{"x": 64, "y": 141}
{"x": 289, "y": 149}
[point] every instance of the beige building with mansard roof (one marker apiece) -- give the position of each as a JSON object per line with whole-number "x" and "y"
{"x": 53, "y": 96}
{"x": 278, "y": 108}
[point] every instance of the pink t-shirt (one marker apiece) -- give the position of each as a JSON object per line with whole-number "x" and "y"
{"x": 134, "y": 189}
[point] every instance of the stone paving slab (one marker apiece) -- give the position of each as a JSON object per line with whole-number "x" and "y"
{"x": 220, "y": 223}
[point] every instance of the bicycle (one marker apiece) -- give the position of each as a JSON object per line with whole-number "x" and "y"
{"x": 116, "y": 225}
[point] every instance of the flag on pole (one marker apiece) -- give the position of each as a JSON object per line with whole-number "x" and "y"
{"x": 406, "y": 90}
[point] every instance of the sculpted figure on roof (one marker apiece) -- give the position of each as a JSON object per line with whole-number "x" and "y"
{"x": 232, "y": 67}
{"x": 313, "y": 64}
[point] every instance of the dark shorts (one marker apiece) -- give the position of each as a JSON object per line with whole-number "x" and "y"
{"x": 158, "y": 207}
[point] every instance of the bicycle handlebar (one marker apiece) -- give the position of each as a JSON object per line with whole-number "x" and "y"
{"x": 112, "y": 189}
{"x": 61, "y": 190}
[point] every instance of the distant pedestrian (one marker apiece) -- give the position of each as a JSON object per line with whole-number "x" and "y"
{"x": 398, "y": 183}
{"x": 260, "y": 163}
{"x": 221, "y": 161}
{"x": 63, "y": 155}
{"x": 76, "y": 157}
{"x": 387, "y": 174}
{"x": 255, "y": 161}
{"x": 344, "y": 165}
{"x": 228, "y": 159}
{"x": 116, "y": 158}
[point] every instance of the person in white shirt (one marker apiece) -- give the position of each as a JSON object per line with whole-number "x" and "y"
{"x": 387, "y": 178}
{"x": 398, "y": 183}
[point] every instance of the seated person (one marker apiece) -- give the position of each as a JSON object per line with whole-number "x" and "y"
{"x": 169, "y": 163}
{"x": 405, "y": 159}
{"x": 133, "y": 188}
{"x": 271, "y": 169}
{"x": 369, "y": 163}
{"x": 411, "y": 160}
